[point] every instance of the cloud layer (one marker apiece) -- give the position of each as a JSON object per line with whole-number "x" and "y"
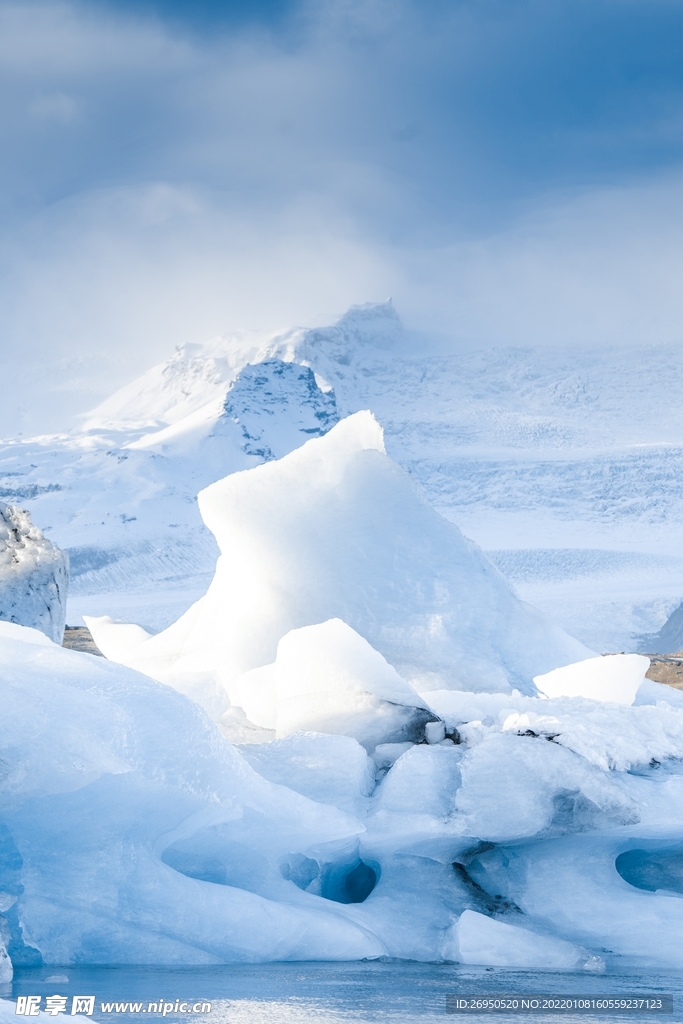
{"x": 509, "y": 172}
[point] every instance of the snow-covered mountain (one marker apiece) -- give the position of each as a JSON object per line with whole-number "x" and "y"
{"x": 564, "y": 464}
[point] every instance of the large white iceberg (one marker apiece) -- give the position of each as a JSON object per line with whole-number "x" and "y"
{"x": 34, "y": 575}
{"x": 336, "y": 530}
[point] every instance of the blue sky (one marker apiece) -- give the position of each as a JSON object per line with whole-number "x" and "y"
{"x": 510, "y": 172}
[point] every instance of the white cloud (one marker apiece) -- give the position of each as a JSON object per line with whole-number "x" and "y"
{"x": 159, "y": 187}
{"x": 603, "y": 267}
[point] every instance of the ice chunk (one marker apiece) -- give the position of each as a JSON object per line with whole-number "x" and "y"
{"x": 336, "y": 530}
{"x": 614, "y": 678}
{"x": 424, "y": 780}
{"x": 478, "y": 939}
{"x": 519, "y": 786}
{"x": 34, "y": 575}
{"x": 330, "y": 769}
{"x": 573, "y": 888}
{"x": 610, "y": 736}
{"x": 651, "y": 692}
{"x": 326, "y": 678}
{"x": 435, "y": 732}
{"x": 6, "y": 968}
{"x": 386, "y": 754}
{"x": 190, "y": 870}
{"x": 309, "y": 856}
{"x": 122, "y": 638}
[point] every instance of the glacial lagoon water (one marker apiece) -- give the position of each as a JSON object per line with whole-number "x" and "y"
{"x": 396, "y": 992}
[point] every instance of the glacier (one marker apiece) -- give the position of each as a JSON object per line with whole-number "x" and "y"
{"x": 34, "y": 575}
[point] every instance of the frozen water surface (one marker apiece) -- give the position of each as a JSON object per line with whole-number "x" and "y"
{"x": 397, "y": 992}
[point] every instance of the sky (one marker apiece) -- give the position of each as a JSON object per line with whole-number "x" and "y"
{"x": 510, "y": 172}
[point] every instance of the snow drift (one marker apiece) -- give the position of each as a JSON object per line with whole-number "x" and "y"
{"x": 336, "y": 530}
{"x": 34, "y": 575}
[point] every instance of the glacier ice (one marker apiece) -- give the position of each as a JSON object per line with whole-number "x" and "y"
{"x": 326, "y": 678}
{"x": 616, "y": 678}
{"x": 329, "y": 769}
{"x": 132, "y": 831}
{"x": 34, "y": 575}
{"x": 478, "y": 939}
{"x": 336, "y": 530}
{"x": 121, "y": 801}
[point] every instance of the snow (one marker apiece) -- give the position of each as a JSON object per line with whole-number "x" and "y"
{"x": 336, "y": 530}
{"x": 34, "y": 575}
{"x": 615, "y": 678}
{"x": 612, "y": 737}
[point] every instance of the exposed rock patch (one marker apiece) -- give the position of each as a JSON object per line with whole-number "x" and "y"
{"x": 34, "y": 575}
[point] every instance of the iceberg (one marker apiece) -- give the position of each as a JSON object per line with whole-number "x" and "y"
{"x": 34, "y": 575}
{"x": 133, "y": 832}
{"x": 336, "y": 530}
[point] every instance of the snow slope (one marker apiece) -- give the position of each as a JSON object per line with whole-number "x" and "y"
{"x": 565, "y": 463}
